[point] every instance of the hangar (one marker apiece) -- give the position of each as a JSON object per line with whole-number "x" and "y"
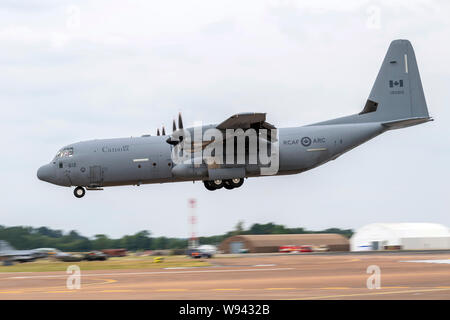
{"x": 400, "y": 236}
{"x": 271, "y": 242}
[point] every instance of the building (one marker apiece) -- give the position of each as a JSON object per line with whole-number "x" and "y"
{"x": 272, "y": 242}
{"x": 404, "y": 236}
{"x": 115, "y": 252}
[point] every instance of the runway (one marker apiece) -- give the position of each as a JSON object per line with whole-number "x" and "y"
{"x": 320, "y": 276}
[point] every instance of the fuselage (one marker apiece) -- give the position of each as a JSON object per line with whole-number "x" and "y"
{"x": 148, "y": 159}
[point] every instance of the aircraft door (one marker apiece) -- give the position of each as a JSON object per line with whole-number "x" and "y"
{"x": 165, "y": 170}
{"x": 161, "y": 163}
{"x": 154, "y": 167}
{"x": 165, "y": 162}
{"x": 95, "y": 176}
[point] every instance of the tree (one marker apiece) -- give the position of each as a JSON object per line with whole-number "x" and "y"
{"x": 239, "y": 229}
{"x": 142, "y": 240}
{"x": 49, "y": 232}
{"x": 101, "y": 242}
{"x": 22, "y": 237}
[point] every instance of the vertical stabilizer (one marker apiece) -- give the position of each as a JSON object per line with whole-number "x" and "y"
{"x": 397, "y": 96}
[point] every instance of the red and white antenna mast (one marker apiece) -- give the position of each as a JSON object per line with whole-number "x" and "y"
{"x": 193, "y": 240}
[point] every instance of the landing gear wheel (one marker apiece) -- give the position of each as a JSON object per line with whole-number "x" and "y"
{"x": 217, "y": 183}
{"x": 79, "y": 192}
{"x": 209, "y": 185}
{"x": 227, "y": 184}
{"x": 237, "y": 182}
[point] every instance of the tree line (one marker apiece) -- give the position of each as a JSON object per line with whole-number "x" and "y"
{"x": 22, "y": 237}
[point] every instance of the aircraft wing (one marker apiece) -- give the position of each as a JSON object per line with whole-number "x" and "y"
{"x": 249, "y": 120}
{"x": 246, "y": 121}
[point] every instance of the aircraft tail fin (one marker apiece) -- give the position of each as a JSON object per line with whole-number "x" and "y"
{"x": 5, "y": 246}
{"x": 397, "y": 94}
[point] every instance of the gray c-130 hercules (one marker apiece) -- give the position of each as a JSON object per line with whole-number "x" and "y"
{"x": 395, "y": 101}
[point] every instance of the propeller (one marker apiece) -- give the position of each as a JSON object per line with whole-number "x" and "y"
{"x": 174, "y": 129}
{"x": 157, "y": 132}
{"x": 180, "y": 121}
{"x": 163, "y": 131}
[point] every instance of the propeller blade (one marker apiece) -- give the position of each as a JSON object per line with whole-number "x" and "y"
{"x": 163, "y": 131}
{"x": 157, "y": 132}
{"x": 180, "y": 121}
{"x": 174, "y": 126}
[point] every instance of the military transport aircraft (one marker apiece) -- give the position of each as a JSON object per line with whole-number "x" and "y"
{"x": 223, "y": 155}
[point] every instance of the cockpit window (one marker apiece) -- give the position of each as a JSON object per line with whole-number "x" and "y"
{"x": 66, "y": 152}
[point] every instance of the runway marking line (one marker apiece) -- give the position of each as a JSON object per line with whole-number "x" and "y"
{"x": 335, "y": 288}
{"x": 227, "y": 289}
{"x": 150, "y": 273}
{"x": 438, "y": 261}
{"x": 369, "y": 294}
{"x": 49, "y": 289}
{"x": 105, "y": 281}
{"x": 239, "y": 289}
{"x": 171, "y": 290}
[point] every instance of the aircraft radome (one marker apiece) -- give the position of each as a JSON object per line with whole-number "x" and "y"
{"x": 244, "y": 145}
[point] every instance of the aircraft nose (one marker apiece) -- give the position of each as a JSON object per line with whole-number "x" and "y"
{"x": 45, "y": 173}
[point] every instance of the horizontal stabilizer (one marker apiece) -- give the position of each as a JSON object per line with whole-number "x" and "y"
{"x": 398, "y": 124}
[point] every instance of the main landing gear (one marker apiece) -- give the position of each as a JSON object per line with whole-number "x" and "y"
{"x": 79, "y": 192}
{"x": 212, "y": 185}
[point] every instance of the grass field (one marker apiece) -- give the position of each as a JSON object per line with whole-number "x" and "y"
{"x": 129, "y": 262}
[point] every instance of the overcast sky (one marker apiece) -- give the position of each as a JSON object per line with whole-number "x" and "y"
{"x": 78, "y": 70}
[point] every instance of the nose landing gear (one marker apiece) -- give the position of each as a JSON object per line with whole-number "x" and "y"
{"x": 212, "y": 185}
{"x": 79, "y": 192}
